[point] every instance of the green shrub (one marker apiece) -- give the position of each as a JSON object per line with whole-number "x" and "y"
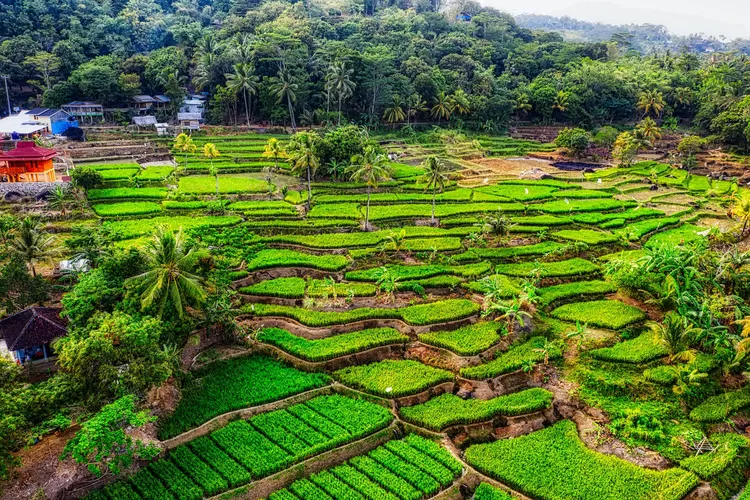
{"x": 230, "y": 385}
{"x": 514, "y": 359}
{"x": 610, "y": 314}
{"x": 466, "y": 341}
{"x": 588, "y": 236}
{"x": 554, "y": 293}
{"x": 571, "y": 267}
{"x": 228, "y": 184}
{"x": 330, "y": 347}
{"x": 718, "y": 408}
{"x": 447, "y": 409}
{"x": 393, "y": 378}
{"x": 642, "y": 349}
{"x": 270, "y": 258}
{"x": 553, "y": 464}
{"x": 126, "y": 208}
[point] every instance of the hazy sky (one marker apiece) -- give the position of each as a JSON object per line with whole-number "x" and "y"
{"x": 730, "y": 18}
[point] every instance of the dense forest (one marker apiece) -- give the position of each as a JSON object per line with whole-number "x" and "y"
{"x": 292, "y": 63}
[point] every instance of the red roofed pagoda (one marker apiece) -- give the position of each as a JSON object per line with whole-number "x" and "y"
{"x": 27, "y": 163}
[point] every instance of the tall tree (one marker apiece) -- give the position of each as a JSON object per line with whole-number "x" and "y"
{"x": 284, "y": 88}
{"x": 33, "y": 245}
{"x": 244, "y": 81}
{"x": 303, "y": 157}
{"x": 651, "y": 101}
{"x": 435, "y": 177}
{"x": 395, "y": 112}
{"x": 184, "y": 144}
{"x": 274, "y": 150}
{"x": 341, "y": 82}
{"x": 170, "y": 279}
{"x": 210, "y": 151}
{"x": 369, "y": 168}
{"x": 442, "y": 107}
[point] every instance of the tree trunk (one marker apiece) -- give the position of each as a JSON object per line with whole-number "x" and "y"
{"x": 216, "y": 175}
{"x": 309, "y": 187}
{"x": 33, "y": 271}
{"x": 247, "y": 109}
{"x": 367, "y": 211}
{"x": 433, "y": 207}
{"x": 291, "y": 113}
{"x": 339, "y": 122}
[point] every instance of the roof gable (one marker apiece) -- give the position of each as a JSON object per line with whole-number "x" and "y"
{"x": 32, "y": 326}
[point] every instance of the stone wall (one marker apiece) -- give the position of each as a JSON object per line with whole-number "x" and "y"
{"x": 14, "y": 191}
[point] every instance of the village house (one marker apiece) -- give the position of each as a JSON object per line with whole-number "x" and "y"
{"x": 27, "y": 163}
{"x": 27, "y": 335}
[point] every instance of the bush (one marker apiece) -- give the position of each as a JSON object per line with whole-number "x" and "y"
{"x": 571, "y": 267}
{"x": 717, "y": 408}
{"x": 575, "y": 140}
{"x": 230, "y": 385}
{"x": 126, "y": 209}
{"x": 514, "y": 359}
{"x": 331, "y": 347}
{"x": 642, "y": 349}
{"x": 447, "y": 409}
{"x": 466, "y": 341}
{"x": 548, "y": 465}
{"x": 270, "y": 258}
{"x": 610, "y": 314}
{"x": 393, "y": 378}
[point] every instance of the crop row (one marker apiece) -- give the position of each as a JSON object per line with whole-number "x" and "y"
{"x": 407, "y": 469}
{"x": 126, "y": 229}
{"x": 270, "y": 258}
{"x": 393, "y": 378}
{"x": 403, "y": 272}
{"x": 448, "y": 409}
{"x": 610, "y": 314}
{"x": 531, "y": 351}
{"x": 420, "y": 314}
{"x": 571, "y": 267}
{"x": 358, "y": 240}
{"x": 331, "y": 347}
{"x": 469, "y": 340}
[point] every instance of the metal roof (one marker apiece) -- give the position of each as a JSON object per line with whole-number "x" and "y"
{"x": 143, "y": 98}
{"x": 144, "y": 121}
{"x": 32, "y": 326}
{"x": 22, "y": 123}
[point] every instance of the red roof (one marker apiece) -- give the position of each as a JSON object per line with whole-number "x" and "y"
{"x": 28, "y": 150}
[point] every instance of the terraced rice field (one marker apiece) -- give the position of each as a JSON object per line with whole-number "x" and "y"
{"x": 468, "y": 332}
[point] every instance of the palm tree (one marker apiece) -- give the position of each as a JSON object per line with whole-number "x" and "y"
{"x": 561, "y": 101}
{"x": 170, "y": 278}
{"x": 184, "y": 144}
{"x": 442, "y": 107}
{"x": 243, "y": 80}
{"x": 274, "y": 150}
{"x": 59, "y": 197}
{"x": 303, "y": 157}
{"x": 435, "y": 176}
{"x": 415, "y": 104}
{"x": 337, "y": 168}
{"x": 459, "y": 102}
{"x": 33, "y": 245}
{"x": 387, "y": 281}
{"x": 649, "y": 129}
{"x": 675, "y": 334}
{"x": 741, "y": 208}
{"x": 651, "y": 101}
{"x": 371, "y": 167}
{"x": 285, "y": 88}
{"x": 523, "y": 106}
{"x": 210, "y": 151}
{"x": 340, "y": 80}
{"x": 395, "y": 112}
{"x": 205, "y": 70}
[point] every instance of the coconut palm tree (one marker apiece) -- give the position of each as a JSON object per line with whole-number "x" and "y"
{"x": 303, "y": 158}
{"x": 243, "y": 80}
{"x": 170, "y": 279}
{"x": 370, "y": 168}
{"x": 274, "y": 150}
{"x": 459, "y": 102}
{"x": 210, "y": 151}
{"x": 435, "y": 176}
{"x": 414, "y": 104}
{"x": 284, "y": 88}
{"x": 184, "y": 144}
{"x": 562, "y": 100}
{"x": 675, "y": 334}
{"x": 341, "y": 82}
{"x": 651, "y": 101}
{"x": 395, "y": 112}
{"x": 59, "y": 198}
{"x": 442, "y": 107}
{"x": 650, "y": 130}
{"x": 33, "y": 245}
{"x": 741, "y": 208}
{"x": 523, "y": 106}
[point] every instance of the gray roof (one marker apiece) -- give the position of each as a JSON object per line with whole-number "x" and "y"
{"x": 162, "y": 98}
{"x": 144, "y": 121}
{"x": 143, "y": 98}
{"x": 189, "y": 116}
{"x": 46, "y": 112}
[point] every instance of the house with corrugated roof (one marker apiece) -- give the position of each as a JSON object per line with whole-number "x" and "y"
{"x": 27, "y": 335}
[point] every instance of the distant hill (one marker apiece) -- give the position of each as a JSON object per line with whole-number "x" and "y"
{"x": 644, "y": 38}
